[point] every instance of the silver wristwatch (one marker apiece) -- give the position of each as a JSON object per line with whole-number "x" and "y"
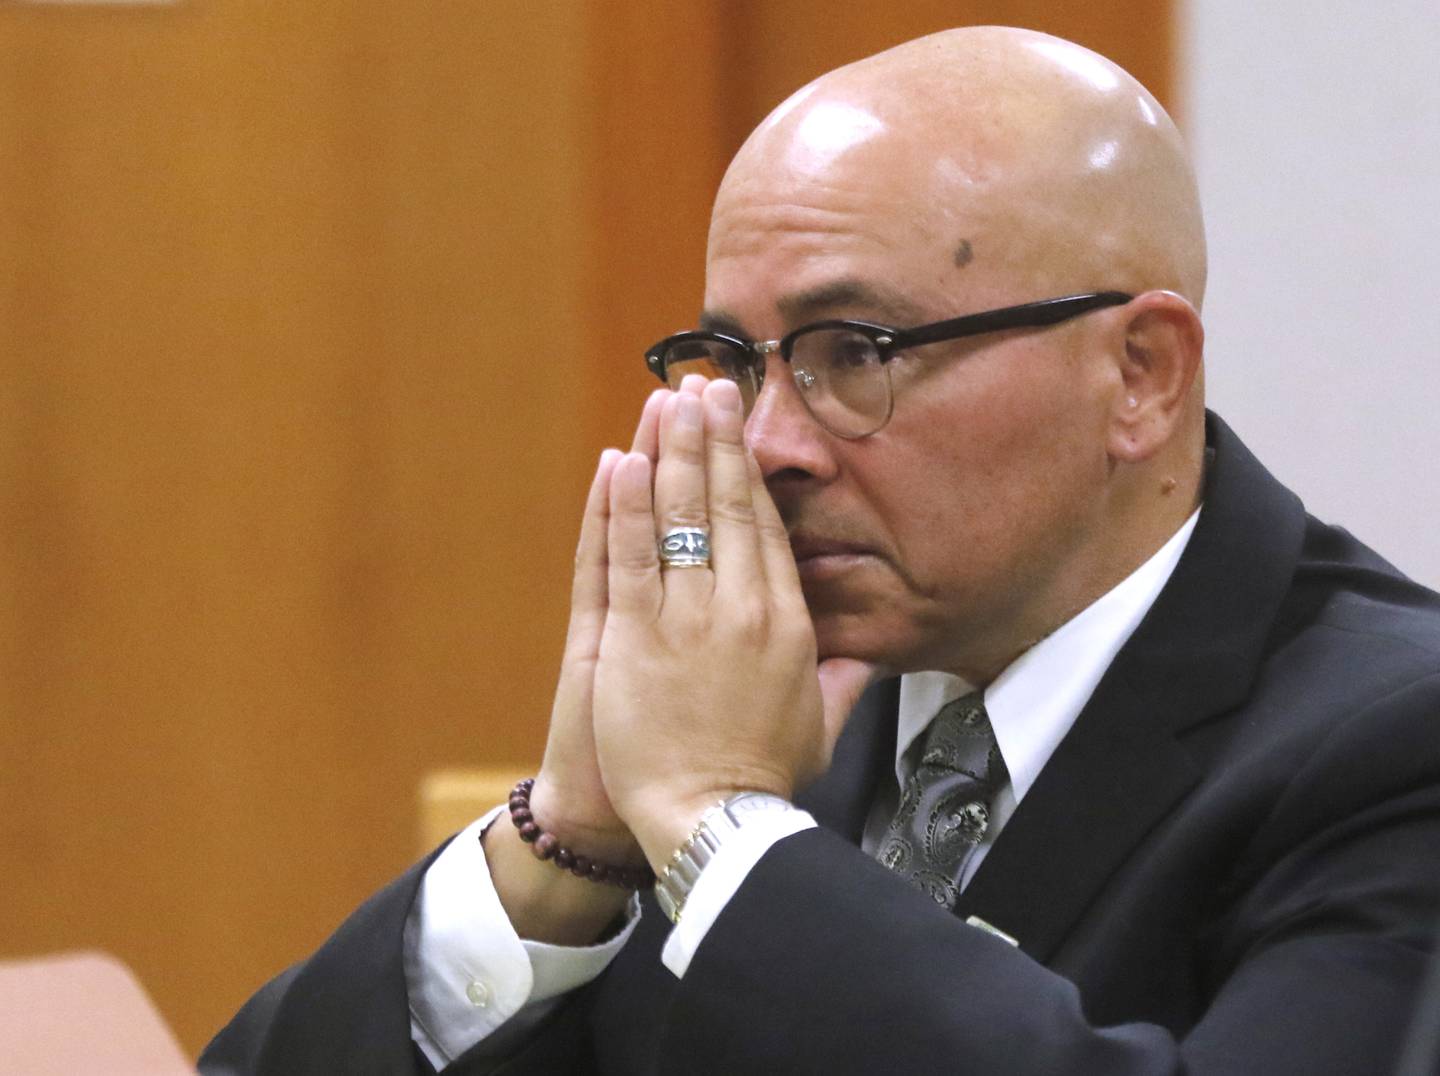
{"x": 716, "y": 826}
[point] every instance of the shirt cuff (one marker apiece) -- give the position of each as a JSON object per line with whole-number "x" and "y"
{"x": 558, "y": 969}
{"x": 467, "y": 972}
{"x": 722, "y": 876}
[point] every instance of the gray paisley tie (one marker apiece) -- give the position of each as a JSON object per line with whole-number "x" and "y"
{"x": 945, "y": 805}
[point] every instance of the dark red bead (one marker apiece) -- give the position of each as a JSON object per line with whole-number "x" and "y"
{"x": 547, "y": 846}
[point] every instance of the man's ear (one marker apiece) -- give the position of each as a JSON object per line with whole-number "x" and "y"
{"x": 1164, "y": 341}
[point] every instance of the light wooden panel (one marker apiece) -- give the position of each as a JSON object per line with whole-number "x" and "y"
{"x": 312, "y": 321}
{"x": 662, "y": 132}
{"x": 290, "y": 470}
{"x": 451, "y": 799}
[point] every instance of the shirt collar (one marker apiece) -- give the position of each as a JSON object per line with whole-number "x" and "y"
{"x": 1033, "y": 703}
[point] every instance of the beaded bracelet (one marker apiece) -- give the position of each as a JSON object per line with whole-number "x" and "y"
{"x": 548, "y": 846}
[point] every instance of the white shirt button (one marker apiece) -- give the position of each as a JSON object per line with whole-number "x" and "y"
{"x": 479, "y": 993}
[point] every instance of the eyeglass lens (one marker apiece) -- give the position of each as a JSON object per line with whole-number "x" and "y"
{"x": 838, "y": 372}
{"x": 842, "y": 379}
{"x": 712, "y": 359}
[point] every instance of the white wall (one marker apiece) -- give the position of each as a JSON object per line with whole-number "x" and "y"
{"x": 1316, "y": 130}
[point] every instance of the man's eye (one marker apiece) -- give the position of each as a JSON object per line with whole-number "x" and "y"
{"x": 850, "y": 350}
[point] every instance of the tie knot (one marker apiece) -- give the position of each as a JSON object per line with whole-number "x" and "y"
{"x": 960, "y": 737}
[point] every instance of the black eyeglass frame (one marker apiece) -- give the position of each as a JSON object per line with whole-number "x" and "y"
{"x": 888, "y": 340}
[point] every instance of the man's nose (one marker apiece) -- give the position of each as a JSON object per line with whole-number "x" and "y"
{"x": 782, "y": 434}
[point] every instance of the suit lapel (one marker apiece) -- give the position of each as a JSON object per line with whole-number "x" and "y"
{"x": 1112, "y": 778}
{"x": 1123, "y": 764}
{"x": 840, "y": 800}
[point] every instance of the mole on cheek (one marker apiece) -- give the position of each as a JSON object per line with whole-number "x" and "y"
{"x": 963, "y": 254}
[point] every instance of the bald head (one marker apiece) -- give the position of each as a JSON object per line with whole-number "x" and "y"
{"x": 1021, "y": 474}
{"x": 1028, "y": 160}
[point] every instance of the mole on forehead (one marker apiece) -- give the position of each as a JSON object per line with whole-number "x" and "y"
{"x": 840, "y": 298}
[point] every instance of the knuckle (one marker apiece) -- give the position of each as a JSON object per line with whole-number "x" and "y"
{"x": 770, "y": 527}
{"x": 750, "y": 616}
{"x": 683, "y": 451}
{"x": 686, "y": 512}
{"x": 729, "y": 458}
{"x": 729, "y": 509}
{"x": 795, "y": 631}
{"x": 635, "y": 561}
{"x": 725, "y": 442}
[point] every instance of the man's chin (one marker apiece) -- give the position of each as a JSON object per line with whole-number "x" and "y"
{"x": 865, "y": 616}
{"x": 872, "y": 638}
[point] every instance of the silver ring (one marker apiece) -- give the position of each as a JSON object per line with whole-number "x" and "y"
{"x": 685, "y": 547}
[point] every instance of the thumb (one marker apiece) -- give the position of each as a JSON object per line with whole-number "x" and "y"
{"x": 842, "y": 682}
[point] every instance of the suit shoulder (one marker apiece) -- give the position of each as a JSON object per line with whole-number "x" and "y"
{"x": 236, "y": 1047}
{"x": 1388, "y": 622}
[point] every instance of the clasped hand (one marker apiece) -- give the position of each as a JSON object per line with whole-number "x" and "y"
{"x": 681, "y": 686}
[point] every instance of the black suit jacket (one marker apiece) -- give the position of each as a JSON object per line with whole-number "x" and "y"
{"x": 1231, "y": 864}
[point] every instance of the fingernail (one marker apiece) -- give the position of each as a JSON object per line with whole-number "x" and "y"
{"x": 688, "y": 410}
{"x": 728, "y": 394}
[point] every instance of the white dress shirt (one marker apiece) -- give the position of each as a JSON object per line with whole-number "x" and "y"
{"x": 468, "y": 973}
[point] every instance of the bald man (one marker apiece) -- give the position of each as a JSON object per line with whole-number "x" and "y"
{"x": 1144, "y": 774}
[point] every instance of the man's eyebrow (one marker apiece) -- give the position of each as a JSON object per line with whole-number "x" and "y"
{"x": 858, "y": 295}
{"x": 718, "y": 321}
{"x": 873, "y": 300}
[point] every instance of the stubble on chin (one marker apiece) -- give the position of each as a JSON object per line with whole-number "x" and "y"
{"x": 854, "y": 631}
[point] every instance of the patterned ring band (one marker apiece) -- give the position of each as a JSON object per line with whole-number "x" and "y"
{"x": 685, "y": 547}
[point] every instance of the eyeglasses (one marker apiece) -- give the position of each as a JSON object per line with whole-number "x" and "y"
{"x": 842, "y": 367}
